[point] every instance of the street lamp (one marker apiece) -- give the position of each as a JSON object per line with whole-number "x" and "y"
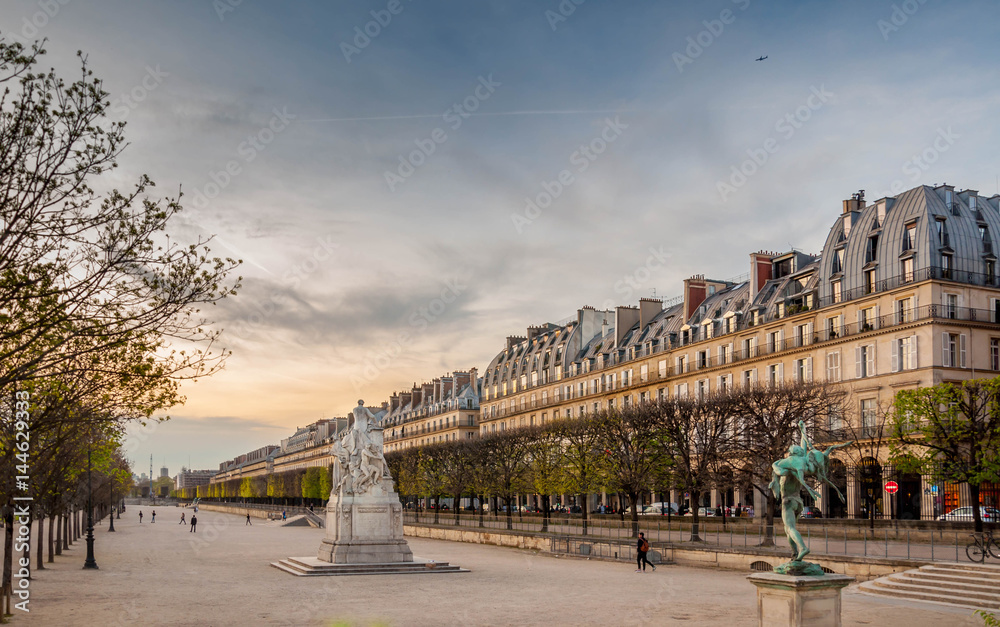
{"x": 111, "y": 515}
{"x": 90, "y": 562}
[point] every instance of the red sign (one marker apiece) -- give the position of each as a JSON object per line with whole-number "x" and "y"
{"x": 891, "y": 487}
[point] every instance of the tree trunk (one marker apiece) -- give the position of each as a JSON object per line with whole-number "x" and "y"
{"x": 510, "y": 518}
{"x": 584, "y": 509}
{"x": 40, "y": 547}
{"x": 482, "y": 509}
{"x": 768, "y": 520}
{"x": 977, "y": 515}
{"x": 8, "y": 553}
{"x": 545, "y": 513}
{"x": 437, "y": 509}
{"x": 695, "y": 517}
{"x": 54, "y": 539}
{"x": 634, "y": 498}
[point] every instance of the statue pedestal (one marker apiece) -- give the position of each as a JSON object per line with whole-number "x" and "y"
{"x": 794, "y": 601}
{"x": 365, "y": 529}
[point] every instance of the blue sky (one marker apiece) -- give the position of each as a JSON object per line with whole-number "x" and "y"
{"x": 342, "y": 260}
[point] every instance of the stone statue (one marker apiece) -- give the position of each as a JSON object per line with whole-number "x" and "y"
{"x": 788, "y": 478}
{"x": 359, "y": 465}
{"x": 364, "y": 518}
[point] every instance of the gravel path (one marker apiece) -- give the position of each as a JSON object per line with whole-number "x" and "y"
{"x": 161, "y": 574}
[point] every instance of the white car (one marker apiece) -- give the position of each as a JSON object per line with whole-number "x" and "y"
{"x": 660, "y": 509}
{"x": 988, "y": 514}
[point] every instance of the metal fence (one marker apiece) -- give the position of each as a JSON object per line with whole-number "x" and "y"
{"x": 611, "y": 537}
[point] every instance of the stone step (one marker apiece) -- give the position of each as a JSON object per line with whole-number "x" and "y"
{"x": 986, "y": 570}
{"x": 935, "y": 596}
{"x": 938, "y": 592}
{"x": 956, "y": 577}
{"x": 968, "y": 584}
{"x": 301, "y": 568}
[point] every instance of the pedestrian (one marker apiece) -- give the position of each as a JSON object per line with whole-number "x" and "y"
{"x": 194, "y": 523}
{"x": 140, "y": 516}
{"x": 248, "y": 520}
{"x": 641, "y": 548}
{"x": 283, "y": 516}
{"x": 154, "y": 516}
{"x": 182, "y": 522}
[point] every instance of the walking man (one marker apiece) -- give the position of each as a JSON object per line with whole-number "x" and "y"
{"x": 642, "y": 547}
{"x": 283, "y": 516}
{"x": 248, "y": 520}
{"x": 140, "y": 516}
{"x": 182, "y": 522}
{"x": 154, "y": 516}
{"x": 194, "y": 522}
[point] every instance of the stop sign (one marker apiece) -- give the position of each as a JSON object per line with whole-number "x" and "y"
{"x": 891, "y": 487}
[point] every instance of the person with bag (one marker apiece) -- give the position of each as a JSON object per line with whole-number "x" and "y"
{"x": 642, "y": 547}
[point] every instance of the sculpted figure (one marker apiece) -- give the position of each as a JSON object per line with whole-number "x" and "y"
{"x": 359, "y": 462}
{"x": 788, "y": 478}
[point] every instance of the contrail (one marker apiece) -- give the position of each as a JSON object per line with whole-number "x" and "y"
{"x": 498, "y": 113}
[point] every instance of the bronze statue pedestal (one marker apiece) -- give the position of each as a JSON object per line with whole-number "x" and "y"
{"x": 798, "y": 601}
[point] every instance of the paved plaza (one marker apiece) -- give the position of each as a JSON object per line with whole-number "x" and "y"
{"x": 161, "y": 574}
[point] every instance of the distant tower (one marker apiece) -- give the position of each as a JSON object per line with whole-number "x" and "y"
{"x": 164, "y": 471}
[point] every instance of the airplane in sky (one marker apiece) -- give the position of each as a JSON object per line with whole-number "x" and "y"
{"x": 762, "y": 58}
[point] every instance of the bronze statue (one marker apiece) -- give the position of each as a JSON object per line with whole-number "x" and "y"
{"x": 788, "y": 478}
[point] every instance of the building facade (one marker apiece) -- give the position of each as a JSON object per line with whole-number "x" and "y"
{"x": 443, "y": 410}
{"x": 903, "y": 295}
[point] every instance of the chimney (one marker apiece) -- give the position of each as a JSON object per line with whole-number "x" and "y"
{"x": 447, "y": 385}
{"x": 648, "y": 309}
{"x": 461, "y": 380}
{"x": 428, "y": 393}
{"x": 852, "y": 210}
{"x": 405, "y": 398}
{"x": 513, "y": 340}
{"x": 604, "y": 327}
{"x": 625, "y": 319}
{"x": 760, "y": 271}
{"x": 436, "y": 394}
{"x": 695, "y": 293}
{"x": 416, "y": 395}
{"x": 393, "y": 402}
{"x": 534, "y": 332}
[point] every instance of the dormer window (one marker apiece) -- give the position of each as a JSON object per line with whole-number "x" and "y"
{"x": 838, "y": 261}
{"x": 871, "y": 252}
{"x": 984, "y": 237}
{"x": 942, "y": 231}
{"x": 910, "y": 237}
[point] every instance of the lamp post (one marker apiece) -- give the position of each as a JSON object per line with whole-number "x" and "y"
{"x": 111, "y": 515}
{"x": 90, "y": 562}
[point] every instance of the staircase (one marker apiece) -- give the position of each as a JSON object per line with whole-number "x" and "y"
{"x": 967, "y": 585}
{"x": 312, "y": 567}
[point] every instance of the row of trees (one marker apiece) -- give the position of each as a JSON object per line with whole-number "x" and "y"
{"x": 99, "y": 307}
{"x": 688, "y": 444}
{"x": 950, "y": 432}
{"x": 292, "y": 487}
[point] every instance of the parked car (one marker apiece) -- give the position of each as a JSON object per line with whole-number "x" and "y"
{"x": 703, "y": 512}
{"x": 811, "y": 512}
{"x": 660, "y": 509}
{"x": 988, "y": 514}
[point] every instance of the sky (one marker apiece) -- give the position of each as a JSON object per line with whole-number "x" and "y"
{"x": 408, "y": 183}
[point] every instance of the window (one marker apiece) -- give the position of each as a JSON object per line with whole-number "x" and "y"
{"x": 662, "y": 366}
{"x": 682, "y": 364}
{"x": 775, "y": 374}
{"x": 994, "y": 353}
{"x": 904, "y": 310}
{"x": 953, "y": 350}
{"x": 803, "y": 333}
{"x": 945, "y": 266}
{"x": 701, "y": 358}
{"x": 644, "y": 373}
{"x": 833, "y": 366}
{"x": 838, "y": 261}
{"x": 681, "y": 390}
{"x": 866, "y": 319}
{"x": 871, "y": 252}
{"x": 868, "y": 417}
{"x": 865, "y": 361}
{"x": 749, "y": 377}
{"x": 834, "y": 326}
{"x": 910, "y": 237}
{"x": 643, "y": 397}
{"x": 951, "y": 305}
{"x": 870, "y": 281}
{"x": 942, "y": 231}
{"x": 835, "y": 285}
{"x": 725, "y": 353}
{"x": 990, "y": 270}
{"x": 774, "y": 340}
{"x": 749, "y": 346}
{"x": 803, "y": 370}
{"x": 661, "y": 394}
{"x": 725, "y": 382}
{"x": 904, "y": 353}
{"x": 907, "y": 270}
{"x": 702, "y": 389}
